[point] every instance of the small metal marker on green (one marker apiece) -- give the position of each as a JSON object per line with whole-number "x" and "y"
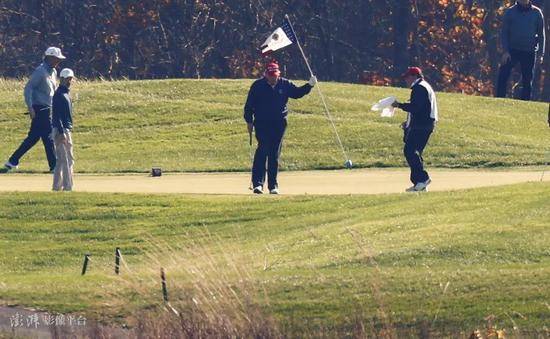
{"x": 85, "y": 266}
{"x": 163, "y": 280}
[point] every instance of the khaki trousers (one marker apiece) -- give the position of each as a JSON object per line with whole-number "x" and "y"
{"x": 63, "y": 172}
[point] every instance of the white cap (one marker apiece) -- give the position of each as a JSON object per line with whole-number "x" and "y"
{"x": 55, "y": 52}
{"x": 66, "y": 73}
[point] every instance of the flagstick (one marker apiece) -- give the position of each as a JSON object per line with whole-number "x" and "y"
{"x": 329, "y": 116}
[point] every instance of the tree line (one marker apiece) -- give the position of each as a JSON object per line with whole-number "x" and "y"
{"x": 456, "y": 42}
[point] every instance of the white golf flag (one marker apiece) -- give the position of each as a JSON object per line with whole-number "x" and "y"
{"x": 275, "y": 41}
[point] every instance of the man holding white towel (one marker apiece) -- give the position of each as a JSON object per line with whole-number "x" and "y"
{"x": 421, "y": 120}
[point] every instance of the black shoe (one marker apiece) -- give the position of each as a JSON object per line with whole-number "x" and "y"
{"x": 8, "y": 166}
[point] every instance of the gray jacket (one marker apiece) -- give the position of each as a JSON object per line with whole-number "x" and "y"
{"x": 41, "y": 86}
{"x": 523, "y": 30}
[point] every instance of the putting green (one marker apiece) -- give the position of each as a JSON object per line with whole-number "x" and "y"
{"x": 362, "y": 181}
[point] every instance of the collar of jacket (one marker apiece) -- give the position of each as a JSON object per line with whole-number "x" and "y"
{"x": 63, "y": 89}
{"x": 47, "y": 66}
{"x": 522, "y": 8}
{"x": 416, "y": 82}
{"x": 267, "y": 82}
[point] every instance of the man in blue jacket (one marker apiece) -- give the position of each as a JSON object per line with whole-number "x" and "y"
{"x": 422, "y": 117}
{"x": 62, "y": 122}
{"x": 38, "y": 97}
{"x": 522, "y": 37}
{"x": 266, "y": 113}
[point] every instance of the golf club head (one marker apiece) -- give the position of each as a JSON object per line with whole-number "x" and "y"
{"x": 348, "y": 164}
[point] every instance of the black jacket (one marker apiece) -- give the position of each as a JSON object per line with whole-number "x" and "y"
{"x": 62, "y": 110}
{"x": 419, "y": 107}
{"x": 266, "y": 103}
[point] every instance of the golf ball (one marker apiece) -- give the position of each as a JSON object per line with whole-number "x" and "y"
{"x": 348, "y": 164}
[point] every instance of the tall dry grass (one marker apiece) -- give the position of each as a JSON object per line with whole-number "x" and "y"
{"x": 212, "y": 293}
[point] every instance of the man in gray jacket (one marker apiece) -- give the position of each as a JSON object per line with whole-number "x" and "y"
{"x": 38, "y": 93}
{"x": 523, "y": 41}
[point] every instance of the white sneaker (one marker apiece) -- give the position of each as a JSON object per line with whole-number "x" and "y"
{"x": 411, "y": 189}
{"x": 420, "y": 187}
{"x": 258, "y": 190}
{"x": 423, "y": 186}
{"x": 274, "y": 191}
{"x": 416, "y": 189}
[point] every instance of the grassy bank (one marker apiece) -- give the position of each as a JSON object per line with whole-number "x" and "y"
{"x": 448, "y": 260}
{"x": 196, "y": 125}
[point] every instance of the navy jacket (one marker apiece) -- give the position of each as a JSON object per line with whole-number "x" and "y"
{"x": 523, "y": 29}
{"x": 419, "y": 107}
{"x": 266, "y": 103}
{"x": 62, "y": 110}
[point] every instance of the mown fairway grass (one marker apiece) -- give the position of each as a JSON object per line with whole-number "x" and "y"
{"x": 196, "y": 125}
{"x": 489, "y": 245}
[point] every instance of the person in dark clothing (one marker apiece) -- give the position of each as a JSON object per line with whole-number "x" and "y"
{"x": 522, "y": 38}
{"x": 38, "y": 97}
{"x": 265, "y": 112}
{"x": 422, "y": 117}
{"x": 62, "y": 121}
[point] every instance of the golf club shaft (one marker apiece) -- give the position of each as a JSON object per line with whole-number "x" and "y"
{"x": 547, "y": 153}
{"x": 251, "y": 158}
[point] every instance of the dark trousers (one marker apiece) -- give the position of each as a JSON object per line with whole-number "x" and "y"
{"x": 416, "y": 140}
{"x": 270, "y": 140}
{"x": 41, "y": 128}
{"x": 527, "y": 63}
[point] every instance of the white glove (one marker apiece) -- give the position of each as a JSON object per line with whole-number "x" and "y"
{"x": 312, "y": 81}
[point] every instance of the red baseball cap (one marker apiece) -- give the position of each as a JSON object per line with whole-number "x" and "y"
{"x": 413, "y": 71}
{"x": 272, "y": 69}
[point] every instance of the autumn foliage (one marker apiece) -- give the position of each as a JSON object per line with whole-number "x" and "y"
{"x": 456, "y": 42}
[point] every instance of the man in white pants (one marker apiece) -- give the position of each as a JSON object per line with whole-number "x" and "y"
{"x": 62, "y": 123}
